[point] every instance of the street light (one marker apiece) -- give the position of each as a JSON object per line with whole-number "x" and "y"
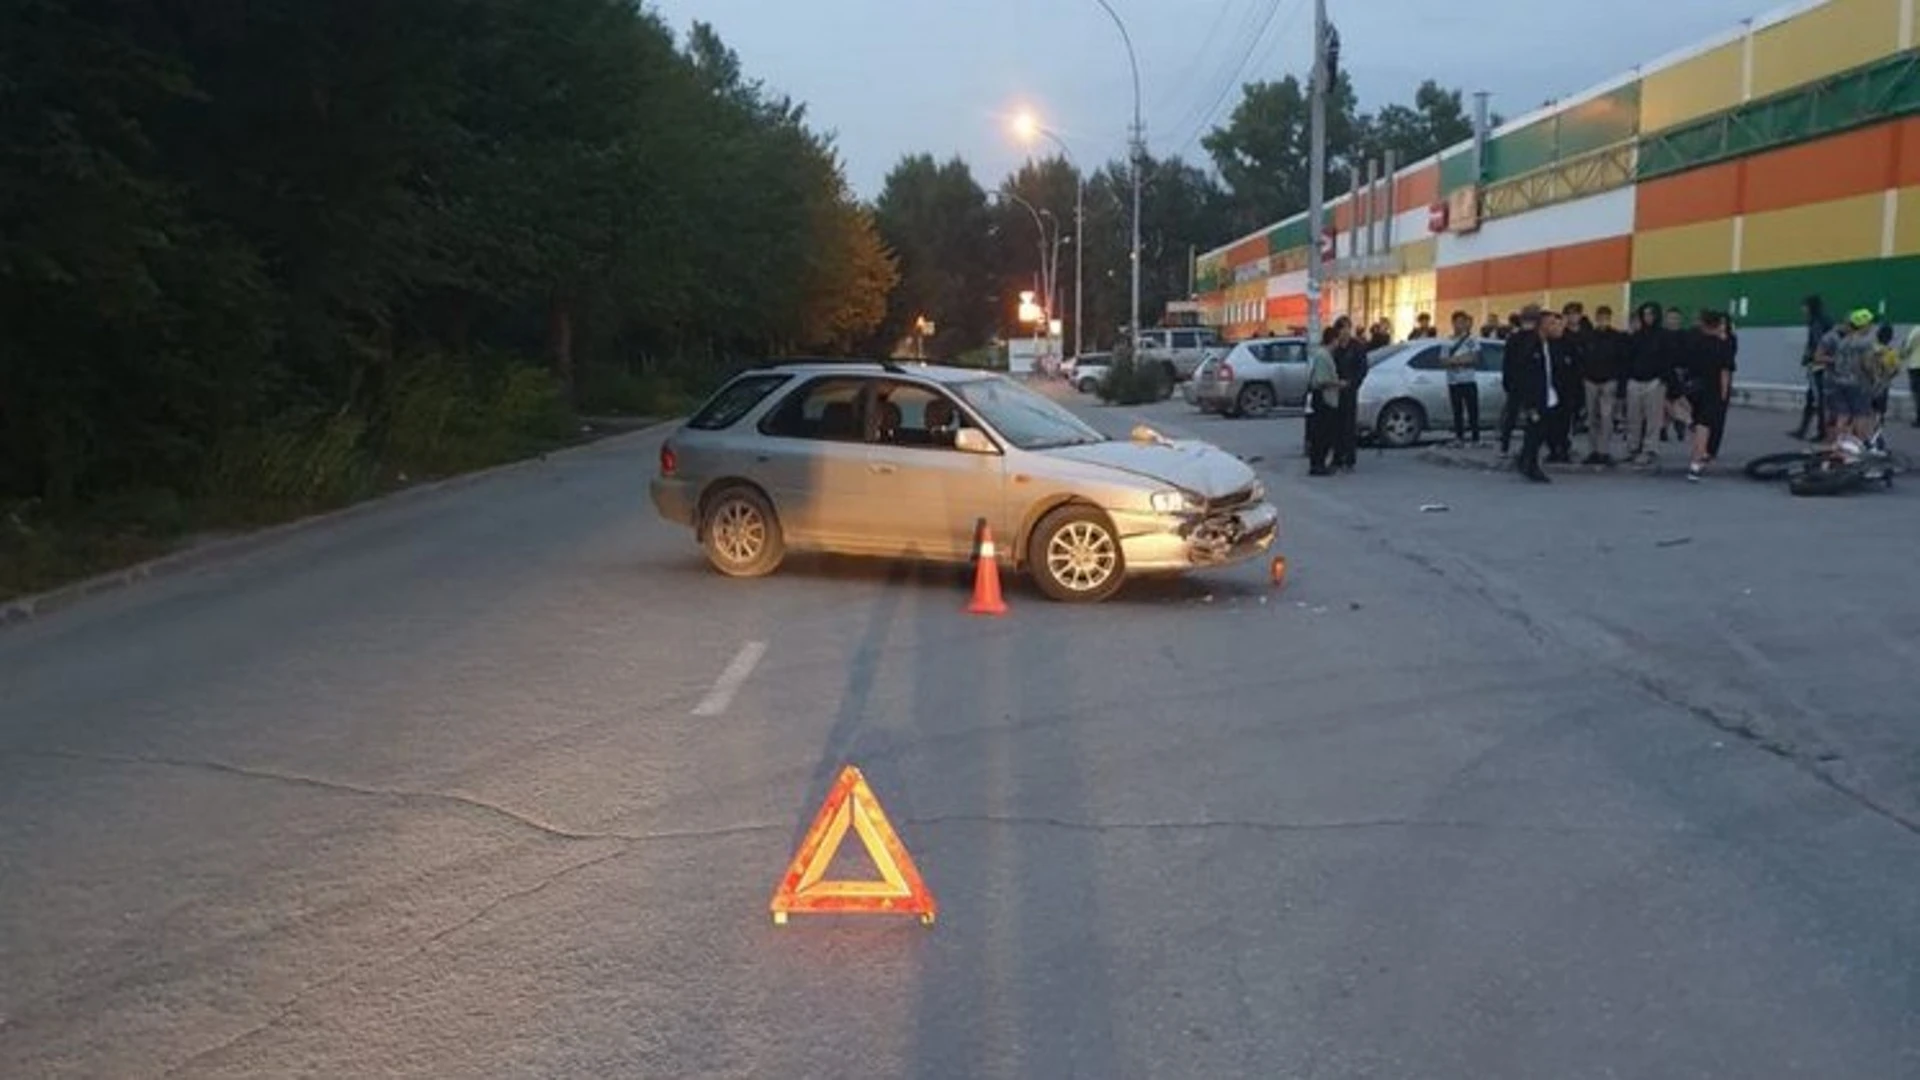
{"x": 1028, "y": 127}
{"x": 1138, "y": 151}
{"x": 1034, "y": 212}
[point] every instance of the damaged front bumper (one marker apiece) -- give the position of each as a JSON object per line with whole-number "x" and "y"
{"x": 1172, "y": 543}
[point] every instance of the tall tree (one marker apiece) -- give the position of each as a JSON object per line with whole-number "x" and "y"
{"x": 1436, "y": 120}
{"x": 935, "y": 219}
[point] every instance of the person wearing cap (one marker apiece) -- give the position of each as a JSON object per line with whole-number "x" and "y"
{"x": 1850, "y": 380}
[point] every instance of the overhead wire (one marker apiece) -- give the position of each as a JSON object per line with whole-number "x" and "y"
{"x": 1206, "y": 116}
{"x": 1249, "y": 30}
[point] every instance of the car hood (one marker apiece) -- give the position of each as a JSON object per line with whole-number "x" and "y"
{"x": 1188, "y": 464}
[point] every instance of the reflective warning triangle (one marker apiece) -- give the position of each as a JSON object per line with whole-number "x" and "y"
{"x": 851, "y": 805}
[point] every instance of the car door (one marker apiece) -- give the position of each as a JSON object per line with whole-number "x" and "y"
{"x": 1287, "y": 360}
{"x": 815, "y": 463}
{"x": 928, "y": 495}
{"x": 1427, "y": 380}
{"x": 1493, "y": 393}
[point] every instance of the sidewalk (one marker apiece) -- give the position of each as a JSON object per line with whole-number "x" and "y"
{"x": 1751, "y": 433}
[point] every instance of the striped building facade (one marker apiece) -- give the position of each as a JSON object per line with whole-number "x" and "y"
{"x": 1779, "y": 160}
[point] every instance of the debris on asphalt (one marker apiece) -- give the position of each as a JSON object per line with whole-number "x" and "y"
{"x": 1677, "y": 541}
{"x": 1434, "y": 508}
{"x": 1353, "y": 605}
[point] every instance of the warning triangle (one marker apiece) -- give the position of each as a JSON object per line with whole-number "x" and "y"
{"x": 851, "y": 806}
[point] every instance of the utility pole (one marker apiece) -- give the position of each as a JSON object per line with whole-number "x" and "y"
{"x": 1317, "y": 172}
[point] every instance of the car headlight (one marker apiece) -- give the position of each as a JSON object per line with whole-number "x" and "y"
{"x": 1174, "y": 502}
{"x": 1258, "y": 493}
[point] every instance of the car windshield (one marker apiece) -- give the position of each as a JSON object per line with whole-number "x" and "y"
{"x": 1024, "y": 418}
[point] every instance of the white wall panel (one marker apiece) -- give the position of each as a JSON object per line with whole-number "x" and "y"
{"x": 1595, "y": 217}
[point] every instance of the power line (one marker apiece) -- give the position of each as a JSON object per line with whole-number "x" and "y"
{"x": 1195, "y": 111}
{"x": 1192, "y": 72}
{"x": 1206, "y": 117}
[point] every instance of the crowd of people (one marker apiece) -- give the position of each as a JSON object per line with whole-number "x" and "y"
{"x": 1658, "y": 379}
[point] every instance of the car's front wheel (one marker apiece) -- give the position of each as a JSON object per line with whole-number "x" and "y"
{"x": 1401, "y": 423}
{"x": 1075, "y": 556}
{"x": 1088, "y": 386}
{"x": 741, "y": 533}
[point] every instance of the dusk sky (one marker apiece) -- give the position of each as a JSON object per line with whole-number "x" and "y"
{"x": 891, "y": 77}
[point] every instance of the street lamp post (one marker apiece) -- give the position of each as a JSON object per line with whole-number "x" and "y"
{"x": 1027, "y": 127}
{"x": 1137, "y": 151}
{"x": 1046, "y": 286}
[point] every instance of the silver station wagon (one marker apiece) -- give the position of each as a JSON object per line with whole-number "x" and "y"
{"x": 905, "y": 460}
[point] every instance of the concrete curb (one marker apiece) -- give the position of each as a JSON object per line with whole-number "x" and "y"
{"x": 27, "y": 608}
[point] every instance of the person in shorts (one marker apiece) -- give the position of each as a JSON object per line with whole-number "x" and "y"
{"x": 1850, "y": 379}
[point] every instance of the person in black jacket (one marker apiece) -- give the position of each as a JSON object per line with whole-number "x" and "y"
{"x": 1603, "y": 367}
{"x": 1535, "y": 386}
{"x": 1573, "y": 340}
{"x": 1350, "y": 360}
{"x": 1726, "y": 404}
{"x": 1647, "y": 366}
{"x": 1526, "y": 327}
{"x": 1709, "y": 382}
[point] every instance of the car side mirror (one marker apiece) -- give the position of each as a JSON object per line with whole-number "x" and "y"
{"x": 973, "y": 441}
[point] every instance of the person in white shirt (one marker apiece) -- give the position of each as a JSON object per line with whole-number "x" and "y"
{"x": 1463, "y": 386}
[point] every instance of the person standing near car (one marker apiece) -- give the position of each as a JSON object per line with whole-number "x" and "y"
{"x": 1323, "y": 403}
{"x": 1536, "y": 389}
{"x": 1519, "y": 345}
{"x": 1423, "y": 328}
{"x": 1350, "y": 360}
{"x": 1463, "y": 385}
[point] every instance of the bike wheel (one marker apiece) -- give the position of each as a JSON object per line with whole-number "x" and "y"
{"x": 1781, "y": 466}
{"x": 1835, "y": 481}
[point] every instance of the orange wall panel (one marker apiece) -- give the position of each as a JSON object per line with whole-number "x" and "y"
{"x": 1464, "y": 281}
{"x": 1417, "y": 189}
{"x": 1247, "y": 251}
{"x": 1343, "y": 216}
{"x": 1906, "y": 167}
{"x": 1834, "y": 168}
{"x": 1595, "y": 263}
{"x": 1517, "y": 273}
{"x": 1696, "y": 195}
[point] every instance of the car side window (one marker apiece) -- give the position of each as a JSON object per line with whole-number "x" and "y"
{"x": 1493, "y": 355}
{"x": 1286, "y": 352}
{"x": 1185, "y": 339}
{"x": 826, "y": 408}
{"x": 912, "y": 414}
{"x": 1427, "y": 360}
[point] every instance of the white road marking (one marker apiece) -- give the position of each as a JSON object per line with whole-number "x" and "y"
{"x": 731, "y": 679}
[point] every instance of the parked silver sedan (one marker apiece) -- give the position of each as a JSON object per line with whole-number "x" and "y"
{"x": 1405, "y": 394}
{"x": 1254, "y": 378}
{"x": 905, "y": 461}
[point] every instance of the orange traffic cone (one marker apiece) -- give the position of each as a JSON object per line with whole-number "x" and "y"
{"x": 1279, "y": 571}
{"x": 986, "y": 577}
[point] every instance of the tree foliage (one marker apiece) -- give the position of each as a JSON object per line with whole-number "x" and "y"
{"x": 235, "y": 230}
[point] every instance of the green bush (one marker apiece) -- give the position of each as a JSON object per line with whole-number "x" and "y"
{"x": 1128, "y": 383}
{"x": 299, "y": 464}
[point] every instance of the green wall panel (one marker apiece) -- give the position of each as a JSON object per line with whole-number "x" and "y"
{"x": 1603, "y": 121}
{"x": 1287, "y": 234}
{"x": 1773, "y": 296}
{"x": 1519, "y": 152}
{"x": 1456, "y": 172}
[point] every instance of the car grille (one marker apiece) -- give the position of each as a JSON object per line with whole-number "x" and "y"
{"x": 1227, "y": 503}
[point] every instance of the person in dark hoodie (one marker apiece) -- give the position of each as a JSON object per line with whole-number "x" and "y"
{"x": 1350, "y": 361}
{"x": 1648, "y": 361}
{"x": 1575, "y": 328}
{"x": 1519, "y": 341}
{"x": 1813, "y": 412}
{"x": 1603, "y": 366}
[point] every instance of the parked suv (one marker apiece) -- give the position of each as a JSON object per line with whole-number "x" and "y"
{"x": 1180, "y": 350}
{"x": 1254, "y": 378}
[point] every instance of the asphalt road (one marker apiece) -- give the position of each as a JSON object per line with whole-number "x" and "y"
{"x": 1616, "y": 778}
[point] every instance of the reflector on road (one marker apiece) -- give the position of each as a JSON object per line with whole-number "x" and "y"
{"x": 899, "y": 891}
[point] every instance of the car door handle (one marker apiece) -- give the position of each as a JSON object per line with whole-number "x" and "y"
{"x": 882, "y": 468}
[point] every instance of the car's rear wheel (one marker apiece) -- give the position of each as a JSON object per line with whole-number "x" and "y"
{"x": 1088, "y": 386}
{"x": 1074, "y": 556}
{"x": 1401, "y": 423}
{"x": 741, "y": 533}
{"x": 1256, "y": 399}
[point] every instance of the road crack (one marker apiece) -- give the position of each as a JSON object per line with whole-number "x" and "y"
{"x": 467, "y": 803}
{"x": 1254, "y": 825}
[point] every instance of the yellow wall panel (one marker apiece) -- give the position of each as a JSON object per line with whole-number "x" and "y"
{"x": 1692, "y": 88}
{"x": 1420, "y": 256}
{"x": 1839, "y": 231}
{"x": 1684, "y": 250}
{"x": 1836, "y": 36}
{"x": 1499, "y": 307}
{"x": 1906, "y": 226}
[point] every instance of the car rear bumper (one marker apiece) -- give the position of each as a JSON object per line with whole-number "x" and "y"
{"x": 1172, "y": 543}
{"x": 674, "y": 499}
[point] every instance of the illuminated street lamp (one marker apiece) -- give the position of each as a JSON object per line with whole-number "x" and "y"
{"x": 1028, "y": 127}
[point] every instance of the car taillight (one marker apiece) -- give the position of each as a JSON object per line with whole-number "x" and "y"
{"x": 669, "y": 461}
{"x": 1223, "y": 371}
